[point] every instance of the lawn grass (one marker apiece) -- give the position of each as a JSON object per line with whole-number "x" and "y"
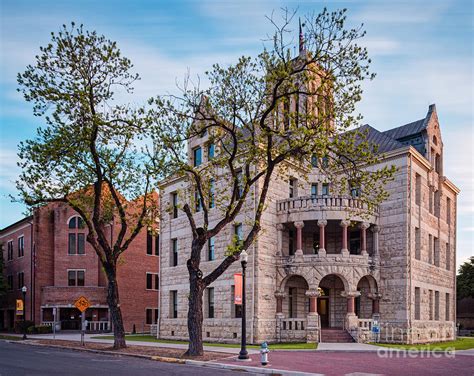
{"x": 276, "y": 346}
{"x": 462, "y": 343}
{"x": 10, "y": 338}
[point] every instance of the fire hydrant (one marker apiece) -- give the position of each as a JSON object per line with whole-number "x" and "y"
{"x": 264, "y": 353}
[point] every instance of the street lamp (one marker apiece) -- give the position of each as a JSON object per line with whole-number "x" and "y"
{"x": 23, "y": 291}
{"x": 243, "y": 355}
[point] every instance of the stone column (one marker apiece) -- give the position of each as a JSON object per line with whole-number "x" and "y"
{"x": 363, "y": 238}
{"x": 280, "y": 229}
{"x": 299, "y": 238}
{"x": 322, "y": 223}
{"x": 375, "y": 230}
{"x": 312, "y": 327}
{"x": 344, "y": 224}
{"x": 351, "y": 321}
{"x": 279, "y": 295}
{"x": 375, "y": 297}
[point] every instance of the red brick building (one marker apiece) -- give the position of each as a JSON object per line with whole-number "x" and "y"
{"x": 48, "y": 253}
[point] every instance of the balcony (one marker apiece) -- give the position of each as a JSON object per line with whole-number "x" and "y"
{"x": 324, "y": 207}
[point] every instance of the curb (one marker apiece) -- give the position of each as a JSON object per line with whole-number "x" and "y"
{"x": 253, "y": 369}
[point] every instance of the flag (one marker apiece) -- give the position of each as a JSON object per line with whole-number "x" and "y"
{"x": 238, "y": 288}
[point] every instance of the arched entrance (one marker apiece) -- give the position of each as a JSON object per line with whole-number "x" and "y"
{"x": 331, "y": 304}
{"x": 296, "y": 301}
{"x": 367, "y": 303}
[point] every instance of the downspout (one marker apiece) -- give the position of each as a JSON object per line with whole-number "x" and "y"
{"x": 253, "y": 266}
{"x": 410, "y": 187}
{"x": 32, "y": 273}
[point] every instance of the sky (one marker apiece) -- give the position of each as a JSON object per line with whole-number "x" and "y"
{"x": 422, "y": 52}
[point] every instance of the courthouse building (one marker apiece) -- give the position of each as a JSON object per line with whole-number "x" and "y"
{"x": 48, "y": 253}
{"x": 321, "y": 268}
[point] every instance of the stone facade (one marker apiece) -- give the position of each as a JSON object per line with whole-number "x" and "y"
{"x": 47, "y": 260}
{"x": 322, "y": 261}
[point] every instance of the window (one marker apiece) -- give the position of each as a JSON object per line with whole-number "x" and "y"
{"x": 436, "y": 316}
{"x": 447, "y": 307}
{"x": 238, "y": 231}
{"x": 314, "y": 160}
{"x": 210, "y": 151}
{"x": 291, "y": 243}
{"x": 149, "y": 243}
{"x": 174, "y": 202}
{"x": 325, "y": 190}
{"x": 21, "y": 280}
{"x": 315, "y": 243}
{"x": 197, "y": 156}
{"x": 448, "y": 256}
{"x": 76, "y": 238}
{"x": 240, "y": 186}
{"x": 418, "y": 189}
{"x": 197, "y": 201}
{"x": 286, "y": 114}
{"x": 354, "y": 189}
{"x": 210, "y": 249}
{"x": 151, "y": 316}
{"x": 431, "y": 199}
{"x": 10, "y": 250}
{"x": 21, "y": 246}
{"x": 157, "y": 245}
{"x": 152, "y": 281}
{"x": 437, "y": 203}
{"x": 417, "y": 243}
{"x": 430, "y": 249}
{"x": 325, "y": 161}
{"x": 354, "y": 242}
{"x": 10, "y": 282}
{"x": 430, "y": 302}
{"x": 314, "y": 190}
{"x": 236, "y": 308}
{"x": 448, "y": 210}
{"x": 75, "y": 277}
{"x": 210, "y": 302}
{"x": 211, "y": 194}
{"x": 417, "y": 303}
{"x": 292, "y": 188}
{"x": 174, "y": 252}
{"x": 438, "y": 163}
{"x": 436, "y": 251}
{"x": 173, "y": 304}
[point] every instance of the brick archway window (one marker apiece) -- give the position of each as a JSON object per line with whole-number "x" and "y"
{"x": 76, "y": 236}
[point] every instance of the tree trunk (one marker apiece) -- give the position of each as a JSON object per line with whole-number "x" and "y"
{"x": 195, "y": 316}
{"x": 114, "y": 308}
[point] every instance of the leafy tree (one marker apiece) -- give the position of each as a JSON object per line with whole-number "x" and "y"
{"x": 265, "y": 116}
{"x": 91, "y": 153}
{"x": 3, "y": 284}
{"x": 465, "y": 280}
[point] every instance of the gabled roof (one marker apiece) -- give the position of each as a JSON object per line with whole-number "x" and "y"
{"x": 406, "y": 130}
{"x": 384, "y": 142}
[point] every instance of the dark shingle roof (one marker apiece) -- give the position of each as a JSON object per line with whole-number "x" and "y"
{"x": 407, "y": 129}
{"x": 384, "y": 142}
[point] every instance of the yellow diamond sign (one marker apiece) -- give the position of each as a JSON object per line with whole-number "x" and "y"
{"x": 82, "y": 303}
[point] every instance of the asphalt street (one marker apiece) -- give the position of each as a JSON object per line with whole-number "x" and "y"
{"x": 22, "y": 360}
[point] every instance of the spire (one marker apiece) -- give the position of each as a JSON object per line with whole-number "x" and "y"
{"x": 301, "y": 37}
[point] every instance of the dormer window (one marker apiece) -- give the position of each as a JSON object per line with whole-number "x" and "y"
{"x": 197, "y": 156}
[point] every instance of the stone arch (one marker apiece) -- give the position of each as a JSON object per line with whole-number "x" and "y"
{"x": 285, "y": 280}
{"x": 368, "y": 281}
{"x": 368, "y": 287}
{"x": 333, "y": 270}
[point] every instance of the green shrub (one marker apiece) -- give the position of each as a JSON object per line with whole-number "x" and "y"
{"x": 40, "y": 329}
{"x": 22, "y": 326}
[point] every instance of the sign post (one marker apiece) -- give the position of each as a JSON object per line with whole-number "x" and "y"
{"x": 54, "y": 322}
{"x": 82, "y": 304}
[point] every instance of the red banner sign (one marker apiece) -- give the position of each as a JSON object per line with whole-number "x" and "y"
{"x": 238, "y": 289}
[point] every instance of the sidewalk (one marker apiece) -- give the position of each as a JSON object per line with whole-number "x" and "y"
{"x": 88, "y": 338}
{"x": 326, "y": 346}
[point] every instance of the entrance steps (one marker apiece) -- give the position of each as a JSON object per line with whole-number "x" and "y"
{"x": 335, "y": 335}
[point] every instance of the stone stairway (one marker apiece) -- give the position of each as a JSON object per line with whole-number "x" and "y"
{"x": 335, "y": 335}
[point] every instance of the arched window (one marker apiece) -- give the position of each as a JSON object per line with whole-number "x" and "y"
{"x": 76, "y": 236}
{"x": 435, "y": 140}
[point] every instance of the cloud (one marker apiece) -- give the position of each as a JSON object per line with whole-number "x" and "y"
{"x": 381, "y": 46}
{"x": 9, "y": 171}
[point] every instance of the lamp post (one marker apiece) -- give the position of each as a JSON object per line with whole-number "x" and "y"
{"x": 243, "y": 355}
{"x": 23, "y": 291}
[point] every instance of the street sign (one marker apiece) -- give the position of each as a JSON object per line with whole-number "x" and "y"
{"x": 19, "y": 307}
{"x": 82, "y": 303}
